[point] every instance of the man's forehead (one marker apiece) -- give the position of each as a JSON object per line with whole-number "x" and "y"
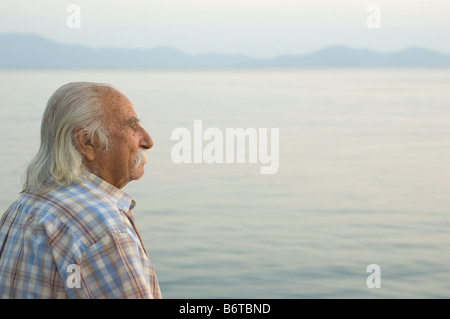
{"x": 118, "y": 105}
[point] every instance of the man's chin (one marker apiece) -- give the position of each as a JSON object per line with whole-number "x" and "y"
{"x": 139, "y": 172}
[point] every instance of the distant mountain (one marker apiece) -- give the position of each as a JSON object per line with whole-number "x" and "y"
{"x": 33, "y": 51}
{"x": 340, "y": 56}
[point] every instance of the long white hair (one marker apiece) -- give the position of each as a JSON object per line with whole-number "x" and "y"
{"x": 58, "y": 161}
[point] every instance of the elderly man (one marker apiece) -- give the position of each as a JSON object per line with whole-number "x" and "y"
{"x": 71, "y": 232}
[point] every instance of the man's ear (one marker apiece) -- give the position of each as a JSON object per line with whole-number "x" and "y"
{"x": 83, "y": 143}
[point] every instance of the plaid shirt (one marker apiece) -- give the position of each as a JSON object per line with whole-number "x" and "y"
{"x": 77, "y": 241}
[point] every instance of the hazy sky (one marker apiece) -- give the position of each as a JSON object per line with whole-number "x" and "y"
{"x": 259, "y": 28}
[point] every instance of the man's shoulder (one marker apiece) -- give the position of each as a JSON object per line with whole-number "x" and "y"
{"x": 86, "y": 211}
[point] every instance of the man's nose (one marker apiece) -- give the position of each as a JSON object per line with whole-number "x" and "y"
{"x": 146, "y": 140}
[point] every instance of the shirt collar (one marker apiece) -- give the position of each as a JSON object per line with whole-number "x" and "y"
{"x": 121, "y": 199}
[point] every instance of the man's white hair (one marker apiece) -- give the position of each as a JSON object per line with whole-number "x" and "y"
{"x": 58, "y": 161}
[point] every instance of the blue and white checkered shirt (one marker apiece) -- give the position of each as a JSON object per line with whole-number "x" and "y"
{"x": 77, "y": 241}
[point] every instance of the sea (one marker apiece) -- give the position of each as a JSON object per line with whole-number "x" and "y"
{"x": 359, "y": 207}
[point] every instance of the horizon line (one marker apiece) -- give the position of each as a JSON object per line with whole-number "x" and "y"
{"x": 229, "y": 54}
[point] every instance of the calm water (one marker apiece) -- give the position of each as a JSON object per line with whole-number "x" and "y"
{"x": 364, "y": 178}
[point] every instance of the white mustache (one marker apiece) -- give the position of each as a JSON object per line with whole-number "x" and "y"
{"x": 140, "y": 158}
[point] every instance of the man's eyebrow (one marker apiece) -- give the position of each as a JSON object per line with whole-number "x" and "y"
{"x": 132, "y": 121}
